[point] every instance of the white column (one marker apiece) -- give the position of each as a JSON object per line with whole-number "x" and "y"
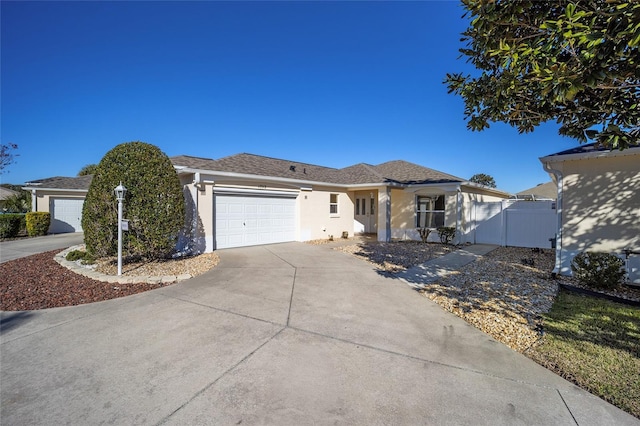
{"x": 384, "y": 214}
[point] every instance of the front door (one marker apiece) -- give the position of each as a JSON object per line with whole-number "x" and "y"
{"x": 366, "y": 213}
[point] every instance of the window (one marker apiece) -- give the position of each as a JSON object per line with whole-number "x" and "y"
{"x": 333, "y": 203}
{"x": 430, "y": 211}
{"x": 357, "y": 206}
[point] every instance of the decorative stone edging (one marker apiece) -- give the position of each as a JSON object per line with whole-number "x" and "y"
{"x": 113, "y": 279}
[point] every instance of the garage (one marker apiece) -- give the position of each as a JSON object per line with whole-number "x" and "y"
{"x": 66, "y": 215}
{"x": 246, "y": 220}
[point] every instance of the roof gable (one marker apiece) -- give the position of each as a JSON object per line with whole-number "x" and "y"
{"x": 411, "y": 173}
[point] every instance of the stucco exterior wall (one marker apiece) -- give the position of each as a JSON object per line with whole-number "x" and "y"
{"x": 403, "y": 213}
{"x": 601, "y": 205}
{"x": 315, "y": 221}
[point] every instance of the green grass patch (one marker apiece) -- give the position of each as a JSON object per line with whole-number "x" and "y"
{"x": 594, "y": 343}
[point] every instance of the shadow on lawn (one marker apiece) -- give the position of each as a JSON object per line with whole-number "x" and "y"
{"x": 596, "y": 321}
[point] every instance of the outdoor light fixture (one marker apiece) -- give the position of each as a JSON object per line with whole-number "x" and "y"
{"x": 120, "y": 191}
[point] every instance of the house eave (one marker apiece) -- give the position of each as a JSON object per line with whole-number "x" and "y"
{"x": 258, "y": 178}
{"x": 40, "y": 188}
{"x": 554, "y": 158}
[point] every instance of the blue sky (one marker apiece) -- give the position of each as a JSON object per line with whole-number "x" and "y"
{"x": 328, "y": 83}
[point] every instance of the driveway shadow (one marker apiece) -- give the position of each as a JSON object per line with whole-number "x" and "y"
{"x": 10, "y": 320}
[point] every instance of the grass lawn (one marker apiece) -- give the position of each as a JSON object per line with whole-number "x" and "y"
{"x": 594, "y": 343}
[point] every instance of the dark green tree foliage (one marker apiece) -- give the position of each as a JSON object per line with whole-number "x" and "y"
{"x": 154, "y": 204}
{"x": 483, "y": 179}
{"x": 576, "y": 62}
{"x": 88, "y": 169}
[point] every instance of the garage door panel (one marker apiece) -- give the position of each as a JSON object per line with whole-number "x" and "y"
{"x": 66, "y": 215}
{"x": 250, "y": 220}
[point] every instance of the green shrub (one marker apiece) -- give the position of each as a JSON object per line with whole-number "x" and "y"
{"x": 74, "y": 255}
{"x": 154, "y": 203}
{"x": 446, "y": 234}
{"x": 38, "y": 223}
{"x": 597, "y": 269}
{"x": 10, "y": 225}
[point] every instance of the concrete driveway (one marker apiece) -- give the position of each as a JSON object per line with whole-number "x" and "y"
{"x": 285, "y": 334}
{"x": 15, "y": 249}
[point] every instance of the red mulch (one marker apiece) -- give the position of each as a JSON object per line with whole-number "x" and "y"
{"x": 39, "y": 282}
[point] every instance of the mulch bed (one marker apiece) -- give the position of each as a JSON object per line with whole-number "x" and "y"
{"x": 39, "y": 282}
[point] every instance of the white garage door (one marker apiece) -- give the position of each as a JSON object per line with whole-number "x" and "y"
{"x": 66, "y": 215}
{"x": 242, "y": 220}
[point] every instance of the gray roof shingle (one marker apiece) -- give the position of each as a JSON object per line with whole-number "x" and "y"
{"x": 62, "y": 182}
{"x": 393, "y": 171}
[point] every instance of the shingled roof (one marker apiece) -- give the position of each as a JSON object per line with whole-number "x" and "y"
{"x": 393, "y": 171}
{"x": 401, "y": 172}
{"x": 62, "y": 182}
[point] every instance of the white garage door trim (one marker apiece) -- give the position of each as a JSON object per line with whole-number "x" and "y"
{"x": 245, "y": 219}
{"x": 66, "y": 215}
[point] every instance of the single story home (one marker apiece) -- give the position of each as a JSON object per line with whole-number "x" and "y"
{"x": 543, "y": 191}
{"x": 598, "y": 203}
{"x": 248, "y": 199}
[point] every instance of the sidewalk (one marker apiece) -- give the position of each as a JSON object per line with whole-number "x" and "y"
{"x": 434, "y": 269}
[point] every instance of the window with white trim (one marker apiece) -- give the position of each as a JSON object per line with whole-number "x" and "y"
{"x": 430, "y": 211}
{"x": 333, "y": 204}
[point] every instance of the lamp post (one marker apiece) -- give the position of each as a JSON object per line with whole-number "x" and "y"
{"x": 120, "y": 190}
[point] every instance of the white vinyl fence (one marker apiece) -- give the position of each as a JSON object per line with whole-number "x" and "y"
{"x": 513, "y": 223}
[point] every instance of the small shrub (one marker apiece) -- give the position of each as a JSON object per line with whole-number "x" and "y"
{"x": 10, "y": 225}
{"x": 38, "y": 223}
{"x": 446, "y": 234}
{"x": 74, "y": 255}
{"x": 597, "y": 269}
{"x": 424, "y": 233}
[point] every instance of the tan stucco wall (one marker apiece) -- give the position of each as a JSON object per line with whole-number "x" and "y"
{"x": 315, "y": 222}
{"x": 601, "y": 205}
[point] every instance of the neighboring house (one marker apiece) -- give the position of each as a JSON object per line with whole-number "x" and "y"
{"x": 4, "y": 194}
{"x": 598, "y": 204}
{"x": 63, "y": 197}
{"x": 543, "y": 191}
{"x": 248, "y": 199}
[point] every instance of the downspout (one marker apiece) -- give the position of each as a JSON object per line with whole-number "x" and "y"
{"x": 458, "y": 214}
{"x": 558, "y": 174}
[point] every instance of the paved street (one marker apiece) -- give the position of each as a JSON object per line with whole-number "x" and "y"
{"x": 15, "y": 249}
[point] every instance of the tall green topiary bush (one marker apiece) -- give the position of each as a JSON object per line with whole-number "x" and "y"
{"x": 38, "y": 223}
{"x": 154, "y": 203}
